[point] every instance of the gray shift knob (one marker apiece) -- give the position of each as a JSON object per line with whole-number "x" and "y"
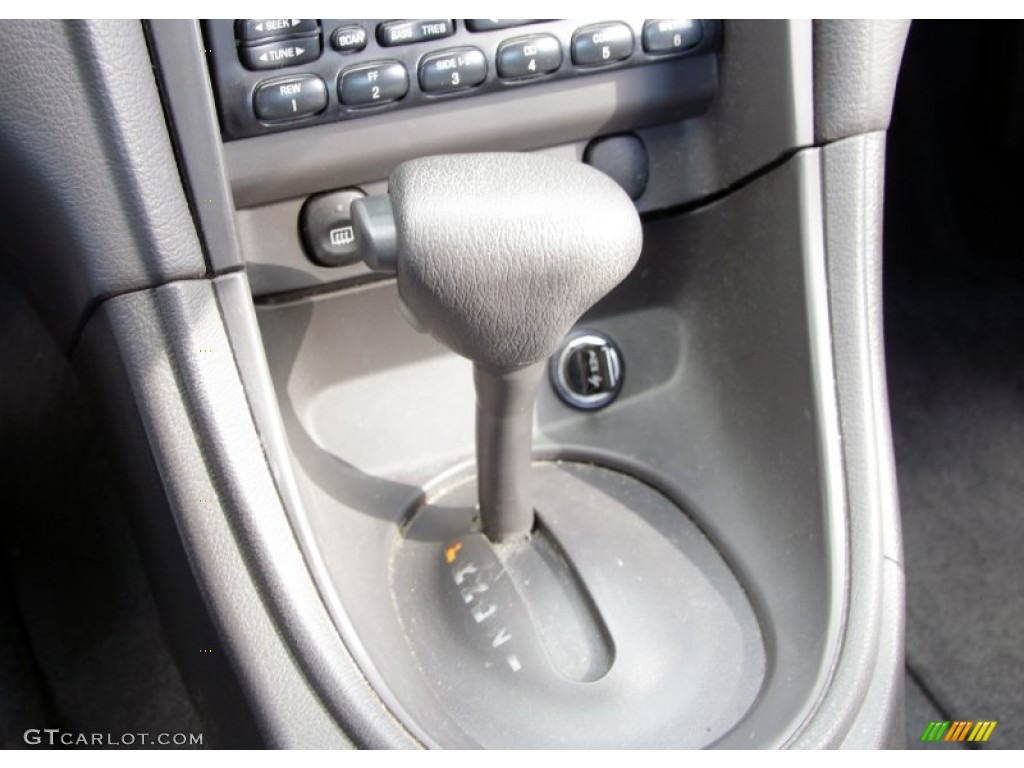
{"x": 498, "y": 255}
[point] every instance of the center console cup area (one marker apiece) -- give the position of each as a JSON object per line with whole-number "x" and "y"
{"x": 557, "y": 365}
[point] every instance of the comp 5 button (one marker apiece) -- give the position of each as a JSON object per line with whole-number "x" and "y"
{"x": 602, "y": 44}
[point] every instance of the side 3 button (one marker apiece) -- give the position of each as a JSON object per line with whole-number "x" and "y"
{"x": 455, "y": 69}
{"x": 289, "y": 98}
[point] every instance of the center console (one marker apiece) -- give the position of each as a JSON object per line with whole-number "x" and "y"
{"x": 715, "y": 558}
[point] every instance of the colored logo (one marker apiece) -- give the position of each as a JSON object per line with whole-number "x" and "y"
{"x": 959, "y": 730}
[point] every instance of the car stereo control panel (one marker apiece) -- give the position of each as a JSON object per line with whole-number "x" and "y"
{"x": 272, "y": 75}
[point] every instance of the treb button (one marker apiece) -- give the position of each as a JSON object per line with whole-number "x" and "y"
{"x": 411, "y": 31}
{"x": 289, "y": 98}
{"x": 671, "y": 35}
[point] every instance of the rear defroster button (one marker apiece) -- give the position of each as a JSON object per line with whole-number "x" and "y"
{"x": 586, "y": 370}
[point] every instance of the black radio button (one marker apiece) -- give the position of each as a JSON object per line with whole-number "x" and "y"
{"x": 529, "y": 56}
{"x": 282, "y": 53}
{"x": 348, "y": 39}
{"x": 414, "y": 31}
{"x": 289, "y": 98}
{"x": 249, "y": 30}
{"x": 671, "y": 35}
{"x": 369, "y": 84}
{"x": 454, "y": 69}
{"x": 602, "y": 44}
{"x": 486, "y": 25}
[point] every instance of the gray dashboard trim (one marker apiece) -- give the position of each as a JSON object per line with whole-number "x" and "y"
{"x": 864, "y": 703}
{"x": 171, "y": 348}
{"x": 91, "y": 193}
{"x": 856, "y": 63}
{"x": 188, "y": 95}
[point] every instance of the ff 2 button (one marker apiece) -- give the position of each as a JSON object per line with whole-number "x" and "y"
{"x": 369, "y": 84}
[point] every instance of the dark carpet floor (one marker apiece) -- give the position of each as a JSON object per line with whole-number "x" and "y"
{"x": 81, "y": 645}
{"x": 954, "y": 314}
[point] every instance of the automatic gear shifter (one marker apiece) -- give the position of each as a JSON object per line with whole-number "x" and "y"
{"x": 497, "y": 255}
{"x": 591, "y": 611}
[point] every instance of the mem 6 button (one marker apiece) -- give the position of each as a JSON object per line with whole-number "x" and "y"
{"x": 671, "y": 35}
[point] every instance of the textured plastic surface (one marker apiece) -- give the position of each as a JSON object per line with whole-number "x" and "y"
{"x": 866, "y": 693}
{"x": 856, "y": 62}
{"x": 499, "y": 254}
{"x": 89, "y": 175}
{"x": 177, "y": 46}
{"x": 616, "y": 625}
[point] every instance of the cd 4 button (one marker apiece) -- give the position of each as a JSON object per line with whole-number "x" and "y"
{"x": 529, "y": 56}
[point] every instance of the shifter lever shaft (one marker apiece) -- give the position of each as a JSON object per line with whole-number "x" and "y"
{"x": 504, "y": 432}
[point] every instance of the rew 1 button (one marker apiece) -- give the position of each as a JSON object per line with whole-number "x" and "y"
{"x": 529, "y": 56}
{"x": 289, "y": 98}
{"x": 326, "y": 225}
{"x": 452, "y": 70}
{"x": 371, "y": 84}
